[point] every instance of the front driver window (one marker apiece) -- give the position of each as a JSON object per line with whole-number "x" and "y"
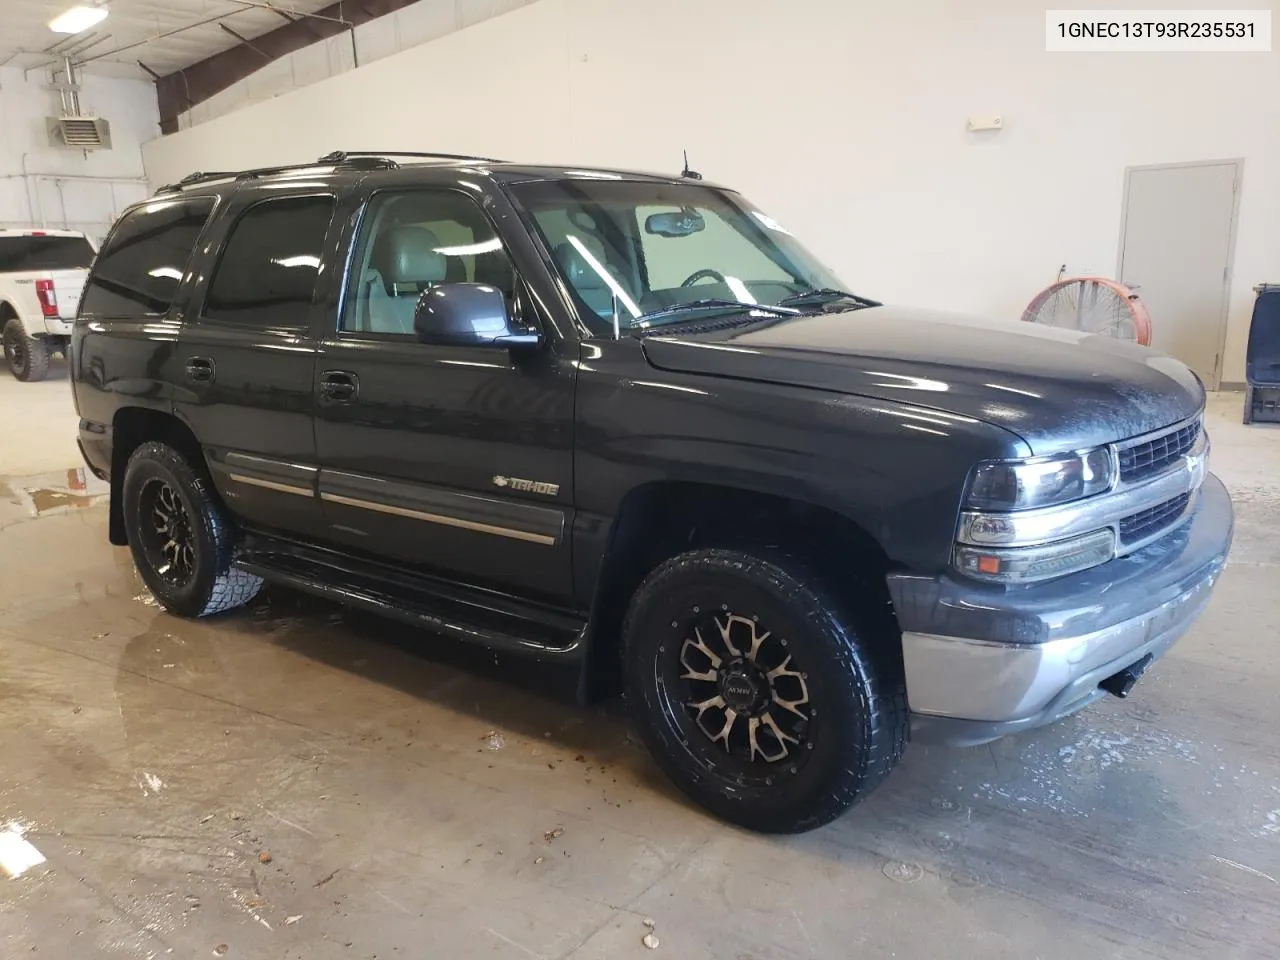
{"x": 410, "y": 241}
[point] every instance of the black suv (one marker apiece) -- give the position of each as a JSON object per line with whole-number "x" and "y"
{"x": 627, "y": 424}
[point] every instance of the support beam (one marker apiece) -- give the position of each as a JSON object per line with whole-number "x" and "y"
{"x": 184, "y": 89}
{"x": 248, "y": 43}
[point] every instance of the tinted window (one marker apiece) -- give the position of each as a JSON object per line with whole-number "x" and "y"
{"x": 144, "y": 258}
{"x": 267, "y": 274}
{"x": 44, "y": 253}
{"x": 410, "y": 241}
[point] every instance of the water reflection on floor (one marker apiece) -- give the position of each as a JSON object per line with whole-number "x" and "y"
{"x": 41, "y": 494}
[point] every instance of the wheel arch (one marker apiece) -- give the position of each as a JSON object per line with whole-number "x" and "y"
{"x": 660, "y": 519}
{"x": 131, "y": 427}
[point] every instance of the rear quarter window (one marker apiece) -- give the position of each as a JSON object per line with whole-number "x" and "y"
{"x": 144, "y": 259}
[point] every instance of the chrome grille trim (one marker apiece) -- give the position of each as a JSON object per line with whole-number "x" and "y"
{"x": 1143, "y": 457}
{"x": 1146, "y": 526}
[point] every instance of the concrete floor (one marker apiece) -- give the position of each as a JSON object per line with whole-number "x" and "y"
{"x": 299, "y": 781}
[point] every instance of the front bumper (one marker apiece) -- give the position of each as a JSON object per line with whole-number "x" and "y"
{"x": 985, "y": 661}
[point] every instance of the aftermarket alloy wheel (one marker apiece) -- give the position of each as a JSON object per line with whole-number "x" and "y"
{"x": 759, "y": 694}
{"x": 27, "y": 357}
{"x": 182, "y": 541}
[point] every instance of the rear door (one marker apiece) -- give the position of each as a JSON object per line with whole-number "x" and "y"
{"x": 247, "y": 357}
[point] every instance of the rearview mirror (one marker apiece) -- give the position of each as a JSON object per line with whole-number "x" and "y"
{"x": 678, "y": 223}
{"x": 467, "y": 315}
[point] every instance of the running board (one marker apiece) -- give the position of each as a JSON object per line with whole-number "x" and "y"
{"x": 490, "y": 619}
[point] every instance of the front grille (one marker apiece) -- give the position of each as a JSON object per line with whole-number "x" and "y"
{"x": 1150, "y": 522}
{"x": 1146, "y": 459}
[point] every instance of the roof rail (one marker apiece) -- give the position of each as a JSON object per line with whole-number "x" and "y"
{"x": 350, "y": 159}
{"x": 338, "y": 156}
{"x": 195, "y": 179}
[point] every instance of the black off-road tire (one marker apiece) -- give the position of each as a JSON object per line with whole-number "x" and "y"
{"x": 27, "y": 357}
{"x": 213, "y": 585}
{"x": 853, "y": 672}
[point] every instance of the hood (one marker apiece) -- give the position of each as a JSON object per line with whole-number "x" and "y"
{"x": 1056, "y": 389}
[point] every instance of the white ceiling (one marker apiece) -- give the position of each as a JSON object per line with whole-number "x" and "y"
{"x": 26, "y": 40}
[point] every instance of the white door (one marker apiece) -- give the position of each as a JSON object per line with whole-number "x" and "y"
{"x": 1176, "y": 241}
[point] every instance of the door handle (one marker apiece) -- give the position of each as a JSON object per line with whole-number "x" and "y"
{"x": 339, "y": 386}
{"x": 200, "y": 369}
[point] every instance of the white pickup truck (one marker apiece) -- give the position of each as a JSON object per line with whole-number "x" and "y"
{"x": 42, "y": 274}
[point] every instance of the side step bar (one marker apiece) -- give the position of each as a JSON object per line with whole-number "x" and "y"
{"x": 486, "y": 618}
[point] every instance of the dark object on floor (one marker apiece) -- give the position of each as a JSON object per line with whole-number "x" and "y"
{"x": 1262, "y": 361}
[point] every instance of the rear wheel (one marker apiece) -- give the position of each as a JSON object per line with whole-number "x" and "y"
{"x": 760, "y": 695}
{"x": 182, "y": 541}
{"x": 27, "y": 357}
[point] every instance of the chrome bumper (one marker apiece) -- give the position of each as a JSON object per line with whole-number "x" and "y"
{"x": 985, "y": 662}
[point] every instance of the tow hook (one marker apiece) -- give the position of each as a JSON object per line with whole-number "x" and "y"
{"x": 1119, "y": 684}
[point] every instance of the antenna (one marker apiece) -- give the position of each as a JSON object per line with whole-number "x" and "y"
{"x": 686, "y": 172}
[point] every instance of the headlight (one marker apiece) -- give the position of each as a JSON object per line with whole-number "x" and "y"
{"x": 1029, "y": 564}
{"x": 1023, "y": 484}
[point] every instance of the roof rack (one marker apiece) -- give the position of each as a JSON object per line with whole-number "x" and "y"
{"x": 338, "y": 160}
{"x": 201, "y": 177}
{"x": 338, "y": 156}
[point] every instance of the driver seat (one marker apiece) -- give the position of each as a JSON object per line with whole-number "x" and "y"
{"x": 407, "y": 262}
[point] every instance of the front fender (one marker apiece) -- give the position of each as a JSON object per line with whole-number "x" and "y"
{"x": 895, "y": 469}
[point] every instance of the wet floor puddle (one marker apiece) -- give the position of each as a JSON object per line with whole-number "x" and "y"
{"x": 42, "y": 494}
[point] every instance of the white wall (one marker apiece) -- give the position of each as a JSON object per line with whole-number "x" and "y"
{"x": 845, "y": 119}
{"x": 48, "y": 186}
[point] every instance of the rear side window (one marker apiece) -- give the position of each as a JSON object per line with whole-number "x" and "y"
{"x": 144, "y": 259}
{"x": 267, "y": 274}
{"x": 20, "y": 254}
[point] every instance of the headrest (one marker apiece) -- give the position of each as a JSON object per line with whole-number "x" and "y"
{"x": 408, "y": 255}
{"x": 577, "y": 270}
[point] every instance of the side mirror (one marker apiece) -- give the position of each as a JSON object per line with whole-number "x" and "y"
{"x": 467, "y": 315}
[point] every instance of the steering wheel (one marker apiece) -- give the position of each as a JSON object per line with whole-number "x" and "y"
{"x": 702, "y": 274}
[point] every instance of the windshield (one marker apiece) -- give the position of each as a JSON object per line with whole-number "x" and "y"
{"x": 666, "y": 251}
{"x": 20, "y": 254}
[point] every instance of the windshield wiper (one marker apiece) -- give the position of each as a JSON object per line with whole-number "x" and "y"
{"x": 825, "y": 295}
{"x": 711, "y": 303}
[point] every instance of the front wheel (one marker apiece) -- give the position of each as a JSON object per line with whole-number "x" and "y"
{"x": 758, "y": 694}
{"x": 182, "y": 541}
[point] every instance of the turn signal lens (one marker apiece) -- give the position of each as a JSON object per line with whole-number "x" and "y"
{"x": 1030, "y": 564}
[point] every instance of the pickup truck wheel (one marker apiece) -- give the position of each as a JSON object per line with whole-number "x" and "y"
{"x": 27, "y": 357}
{"x": 182, "y": 541}
{"x": 757, "y": 693}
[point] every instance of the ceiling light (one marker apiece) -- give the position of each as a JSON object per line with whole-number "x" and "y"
{"x": 78, "y": 19}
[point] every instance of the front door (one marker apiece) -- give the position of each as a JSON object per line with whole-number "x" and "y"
{"x": 454, "y": 459}
{"x": 247, "y": 359}
{"x": 1175, "y": 251}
